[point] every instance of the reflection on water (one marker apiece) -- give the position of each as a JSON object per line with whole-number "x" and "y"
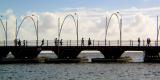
{"x": 136, "y": 56}
{"x": 90, "y": 54}
{"x": 80, "y": 71}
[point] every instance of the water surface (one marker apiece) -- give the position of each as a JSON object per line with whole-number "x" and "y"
{"x": 81, "y": 71}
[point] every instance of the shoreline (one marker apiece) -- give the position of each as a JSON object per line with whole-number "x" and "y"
{"x": 78, "y": 60}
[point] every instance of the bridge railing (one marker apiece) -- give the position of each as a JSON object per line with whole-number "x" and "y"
{"x": 74, "y": 43}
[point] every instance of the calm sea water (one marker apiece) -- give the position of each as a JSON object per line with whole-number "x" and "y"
{"x": 81, "y": 71}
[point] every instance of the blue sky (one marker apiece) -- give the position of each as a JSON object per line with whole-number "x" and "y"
{"x": 139, "y": 17}
{"x": 22, "y": 6}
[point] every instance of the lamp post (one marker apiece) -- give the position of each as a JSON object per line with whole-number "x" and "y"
{"x": 77, "y": 26}
{"x": 120, "y": 25}
{"x": 58, "y": 35}
{"x": 157, "y": 30}
{"x": 106, "y": 29}
{"x": 37, "y": 29}
{"x": 58, "y": 30}
{"x": 15, "y": 41}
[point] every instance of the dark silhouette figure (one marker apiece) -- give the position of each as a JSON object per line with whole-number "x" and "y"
{"x": 148, "y": 42}
{"x": 15, "y": 42}
{"x": 19, "y": 42}
{"x": 55, "y": 42}
{"x": 61, "y": 42}
{"x": 24, "y": 42}
{"x": 139, "y": 41}
{"x": 82, "y": 42}
{"x": 42, "y": 42}
{"x": 89, "y": 42}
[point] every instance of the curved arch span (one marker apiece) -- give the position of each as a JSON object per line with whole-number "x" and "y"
{"x": 3, "y": 27}
{"x": 70, "y": 15}
{"x": 19, "y": 27}
{"x": 119, "y": 22}
{"x": 5, "y": 30}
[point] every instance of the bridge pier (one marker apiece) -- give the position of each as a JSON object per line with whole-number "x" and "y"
{"x": 67, "y": 53}
{"x": 152, "y": 55}
{"x": 110, "y": 55}
{"x": 25, "y": 52}
{"x": 114, "y": 53}
{"x": 4, "y": 52}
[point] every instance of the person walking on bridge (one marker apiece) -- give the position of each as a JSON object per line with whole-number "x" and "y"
{"x": 148, "y": 42}
{"x": 82, "y": 42}
{"x": 42, "y": 42}
{"x": 19, "y": 42}
{"x": 55, "y": 42}
{"x": 24, "y": 42}
{"x": 15, "y": 42}
{"x": 61, "y": 42}
{"x": 139, "y": 41}
{"x": 89, "y": 42}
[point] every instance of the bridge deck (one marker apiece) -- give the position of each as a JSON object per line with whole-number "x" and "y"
{"x": 71, "y": 50}
{"x": 74, "y": 43}
{"x": 45, "y": 48}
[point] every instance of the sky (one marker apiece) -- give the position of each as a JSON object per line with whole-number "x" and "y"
{"x": 139, "y": 18}
{"x": 21, "y": 7}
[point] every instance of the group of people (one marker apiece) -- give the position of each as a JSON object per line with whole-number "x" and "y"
{"x": 57, "y": 42}
{"x": 148, "y": 42}
{"x": 89, "y": 42}
{"x": 19, "y": 42}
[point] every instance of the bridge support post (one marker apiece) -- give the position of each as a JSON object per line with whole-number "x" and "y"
{"x": 3, "y": 52}
{"x": 152, "y": 55}
{"x": 25, "y": 52}
{"x": 112, "y": 54}
{"x": 67, "y": 52}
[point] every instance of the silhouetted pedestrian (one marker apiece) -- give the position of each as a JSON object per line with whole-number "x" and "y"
{"x": 19, "y": 42}
{"x": 139, "y": 41}
{"x": 148, "y": 42}
{"x": 61, "y": 42}
{"x": 55, "y": 42}
{"x": 82, "y": 42}
{"x": 89, "y": 42}
{"x": 15, "y": 42}
{"x": 42, "y": 42}
{"x": 24, "y": 42}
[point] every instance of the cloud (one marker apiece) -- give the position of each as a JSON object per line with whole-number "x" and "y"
{"x": 136, "y": 23}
